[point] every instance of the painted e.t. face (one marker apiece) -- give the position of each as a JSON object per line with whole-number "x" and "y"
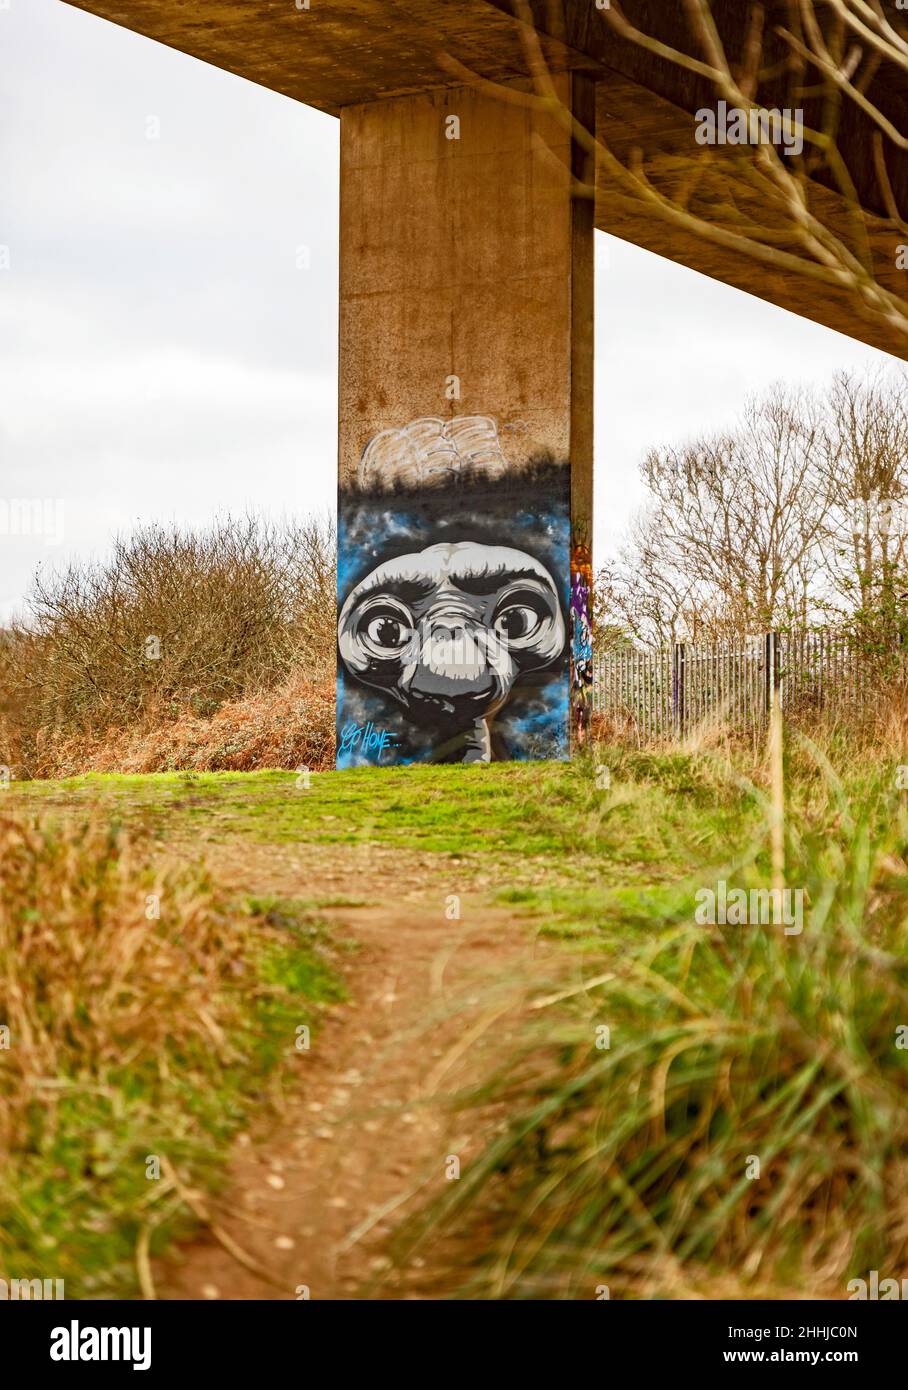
{"x": 447, "y": 630}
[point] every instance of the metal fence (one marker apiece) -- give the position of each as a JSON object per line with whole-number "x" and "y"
{"x": 668, "y": 693}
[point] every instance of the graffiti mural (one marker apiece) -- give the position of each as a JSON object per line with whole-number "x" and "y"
{"x": 581, "y": 640}
{"x": 453, "y": 599}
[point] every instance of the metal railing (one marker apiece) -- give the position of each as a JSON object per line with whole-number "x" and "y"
{"x": 669, "y": 692}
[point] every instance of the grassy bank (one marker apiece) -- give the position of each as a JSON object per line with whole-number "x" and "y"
{"x": 657, "y": 812}
{"x": 143, "y": 1013}
{"x": 706, "y": 1108}
{"x": 744, "y": 1129}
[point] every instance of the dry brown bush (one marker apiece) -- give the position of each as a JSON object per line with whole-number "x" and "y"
{"x": 289, "y": 726}
{"x": 146, "y": 648}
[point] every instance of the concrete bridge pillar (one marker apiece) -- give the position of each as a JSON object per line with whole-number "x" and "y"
{"x": 465, "y": 427}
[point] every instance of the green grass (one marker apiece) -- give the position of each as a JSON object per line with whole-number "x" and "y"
{"x": 760, "y": 1043}
{"x": 571, "y": 857}
{"x": 630, "y": 1165}
{"x": 658, "y": 816}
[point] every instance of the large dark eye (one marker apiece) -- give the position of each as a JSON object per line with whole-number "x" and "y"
{"x": 516, "y": 621}
{"x": 386, "y": 631}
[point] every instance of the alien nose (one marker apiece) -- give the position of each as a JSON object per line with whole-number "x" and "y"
{"x": 448, "y": 630}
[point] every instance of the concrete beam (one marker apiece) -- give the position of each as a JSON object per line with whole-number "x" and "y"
{"x": 342, "y": 53}
{"x": 339, "y": 53}
{"x": 665, "y": 135}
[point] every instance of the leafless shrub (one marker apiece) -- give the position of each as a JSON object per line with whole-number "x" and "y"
{"x": 173, "y": 624}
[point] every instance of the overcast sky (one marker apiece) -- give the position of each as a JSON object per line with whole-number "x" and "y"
{"x": 161, "y": 353}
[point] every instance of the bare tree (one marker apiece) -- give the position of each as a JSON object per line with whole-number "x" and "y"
{"x": 729, "y": 543}
{"x": 864, "y": 541}
{"x": 641, "y": 596}
{"x": 172, "y": 620}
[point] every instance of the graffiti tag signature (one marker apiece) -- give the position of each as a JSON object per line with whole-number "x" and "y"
{"x": 365, "y": 737}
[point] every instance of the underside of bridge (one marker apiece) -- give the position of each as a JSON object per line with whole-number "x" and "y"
{"x": 466, "y": 340}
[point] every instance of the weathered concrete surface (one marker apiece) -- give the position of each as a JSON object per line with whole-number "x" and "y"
{"x": 342, "y": 53}
{"x": 466, "y": 258}
{"x": 338, "y": 52}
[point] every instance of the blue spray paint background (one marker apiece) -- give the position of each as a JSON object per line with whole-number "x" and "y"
{"x": 529, "y": 509}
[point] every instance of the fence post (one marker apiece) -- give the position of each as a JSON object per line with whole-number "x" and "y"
{"x": 773, "y": 669}
{"x": 679, "y": 663}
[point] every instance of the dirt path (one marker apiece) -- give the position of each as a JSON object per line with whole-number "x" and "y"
{"x": 312, "y": 1196}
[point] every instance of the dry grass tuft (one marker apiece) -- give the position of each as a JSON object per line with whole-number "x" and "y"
{"x": 88, "y": 975}
{"x": 142, "y": 1013}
